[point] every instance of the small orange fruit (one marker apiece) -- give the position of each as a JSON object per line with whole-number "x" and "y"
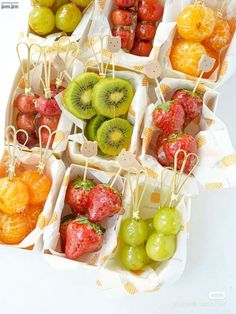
{"x": 39, "y": 186}
{"x": 196, "y": 22}
{"x": 185, "y": 56}
{"x": 14, "y": 228}
{"x": 14, "y": 195}
{"x": 220, "y": 37}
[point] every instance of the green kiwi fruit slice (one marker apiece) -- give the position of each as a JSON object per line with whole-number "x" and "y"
{"x": 112, "y": 97}
{"x": 92, "y": 127}
{"x": 114, "y": 135}
{"x": 78, "y": 94}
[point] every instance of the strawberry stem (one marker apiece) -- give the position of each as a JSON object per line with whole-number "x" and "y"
{"x": 86, "y": 185}
{"x": 165, "y": 106}
{"x": 96, "y": 227}
{"x": 67, "y": 218}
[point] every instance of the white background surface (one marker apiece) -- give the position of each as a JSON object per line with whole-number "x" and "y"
{"x": 29, "y": 286}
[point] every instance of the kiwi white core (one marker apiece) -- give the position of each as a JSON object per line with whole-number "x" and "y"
{"x": 116, "y": 96}
{"x": 116, "y": 135}
{"x": 86, "y": 96}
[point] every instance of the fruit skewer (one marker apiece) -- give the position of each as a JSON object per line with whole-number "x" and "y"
{"x": 35, "y": 110}
{"x": 92, "y": 203}
{"x": 161, "y": 244}
{"x": 25, "y": 102}
{"x": 124, "y": 20}
{"x": 135, "y": 23}
{"x": 200, "y": 31}
{"x": 22, "y": 196}
{"x": 145, "y": 242}
{"x": 46, "y": 105}
{"x": 221, "y": 35}
{"x": 149, "y": 13}
{"x": 134, "y": 230}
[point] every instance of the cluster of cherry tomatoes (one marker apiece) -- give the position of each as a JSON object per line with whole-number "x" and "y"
{"x": 136, "y": 22}
{"x": 34, "y": 111}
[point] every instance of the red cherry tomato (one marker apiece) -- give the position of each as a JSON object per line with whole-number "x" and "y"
{"x": 26, "y": 121}
{"x": 145, "y": 31}
{"x": 141, "y": 48}
{"x": 127, "y": 38}
{"x": 121, "y": 17}
{"x": 50, "y": 121}
{"x": 26, "y": 103}
{"x": 32, "y": 139}
{"x": 124, "y": 3}
{"x": 150, "y": 10}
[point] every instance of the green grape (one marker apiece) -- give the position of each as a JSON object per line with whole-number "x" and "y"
{"x": 150, "y": 226}
{"x": 68, "y": 17}
{"x": 42, "y": 20}
{"x": 167, "y": 220}
{"x": 44, "y": 3}
{"x": 81, "y": 3}
{"x": 134, "y": 231}
{"x": 160, "y": 247}
{"x": 58, "y": 3}
{"x": 133, "y": 258}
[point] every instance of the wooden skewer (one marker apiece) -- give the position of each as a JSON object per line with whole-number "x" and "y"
{"x": 136, "y": 199}
{"x": 12, "y": 133}
{"x": 116, "y": 176}
{"x": 44, "y": 152}
{"x": 198, "y": 82}
{"x": 85, "y": 169}
{"x": 160, "y": 91}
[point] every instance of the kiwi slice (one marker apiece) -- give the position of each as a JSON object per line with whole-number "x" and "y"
{"x": 114, "y": 135}
{"x": 92, "y": 127}
{"x": 112, "y": 97}
{"x": 78, "y": 94}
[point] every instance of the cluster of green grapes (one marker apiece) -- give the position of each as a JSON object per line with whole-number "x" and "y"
{"x": 152, "y": 240}
{"x": 48, "y": 16}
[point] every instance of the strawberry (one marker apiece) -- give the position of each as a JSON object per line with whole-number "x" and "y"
{"x": 104, "y": 202}
{"x": 191, "y": 103}
{"x": 168, "y": 147}
{"x": 82, "y": 237}
{"x": 169, "y": 117}
{"x": 63, "y": 227}
{"x": 77, "y": 195}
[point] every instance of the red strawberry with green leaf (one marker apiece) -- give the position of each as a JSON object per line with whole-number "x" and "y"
{"x": 169, "y": 117}
{"x": 104, "y": 202}
{"x": 191, "y": 103}
{"x": 83, "y": 237}
{"x": 77, "y": 195}
{"x": 168, "y": 147}
{"x": 63, "y": 227}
